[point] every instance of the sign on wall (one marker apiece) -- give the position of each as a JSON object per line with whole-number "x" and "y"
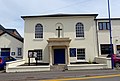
{"x": 32, "y": 54}
{"x": 13, "y": 53}
{"x": 72, "y": 52}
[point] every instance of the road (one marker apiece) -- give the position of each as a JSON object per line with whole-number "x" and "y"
{"x": 112, "y": 75}
{"x": 115, "y": 77}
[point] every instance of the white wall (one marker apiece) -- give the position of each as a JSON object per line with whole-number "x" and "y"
{"x": 7, "y": 41}
{"x": 104, "y": 35}
{"x": 49, "y": 28}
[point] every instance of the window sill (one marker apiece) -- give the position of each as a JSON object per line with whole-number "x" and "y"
{"x": 38, "y": 39}
{"x": 19, "y": 56}
{"x": 80, "y": 38}
{"x": 103, "y": 30}
{"x": 81, "y": 61}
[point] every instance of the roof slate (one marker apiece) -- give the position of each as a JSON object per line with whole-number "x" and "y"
{"x": 12, "y": 32}
{"x": 59, "y": 15}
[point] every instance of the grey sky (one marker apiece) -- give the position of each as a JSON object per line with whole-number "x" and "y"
{"x": 12, "y": 10}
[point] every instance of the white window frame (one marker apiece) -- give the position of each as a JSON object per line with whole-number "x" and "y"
{"x": 103, "y": 26}
{"x": 84, "y": 54}
{"x": 18, "y": 52}
{"x": 38, "y": 32}
{"x": 41, "y": 56}
{"x": 79, "y": 30}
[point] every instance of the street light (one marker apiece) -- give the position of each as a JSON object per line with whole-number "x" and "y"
{"x": 111, "y": 45}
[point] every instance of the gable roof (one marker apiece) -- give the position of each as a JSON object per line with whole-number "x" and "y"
{"x": 14, "y": 32}
{"x": 1, "y": 27}
{"x": 11, "y": 32}
{"x": 59, "y": 15}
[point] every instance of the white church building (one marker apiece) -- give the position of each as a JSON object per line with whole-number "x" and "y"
{"x": 61, "y": 38}
{"x": 71, "y": 40}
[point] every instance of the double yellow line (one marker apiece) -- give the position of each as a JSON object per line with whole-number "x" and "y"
{"x": 84, "y": 78}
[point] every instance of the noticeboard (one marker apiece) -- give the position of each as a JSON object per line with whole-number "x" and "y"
{"x": 72, "y": 52}
{"x": 31, "y": 54}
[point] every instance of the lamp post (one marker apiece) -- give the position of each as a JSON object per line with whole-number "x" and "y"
{"x": 111, "y": 45}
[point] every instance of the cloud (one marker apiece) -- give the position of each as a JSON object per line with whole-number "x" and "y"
{"x": 12, "y": 10}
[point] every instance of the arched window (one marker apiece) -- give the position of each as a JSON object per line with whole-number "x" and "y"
{"x": 79, "y": 30}
{"x": 38, "y": 31}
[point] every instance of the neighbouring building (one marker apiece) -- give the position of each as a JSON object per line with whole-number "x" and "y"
{"x": 103, "y": 34}
{"x": 11, "y": 43}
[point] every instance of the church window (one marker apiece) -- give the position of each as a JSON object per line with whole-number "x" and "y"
{"x": 39, "y": 53}
{"x": 81, "y": 54}
{"x": 38, "y": 31}
{"x": 79, "y": 30}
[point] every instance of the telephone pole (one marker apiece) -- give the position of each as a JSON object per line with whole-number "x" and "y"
{"x": 111, "y": 45}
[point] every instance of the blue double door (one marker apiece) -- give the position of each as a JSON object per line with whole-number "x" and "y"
{"x": 59, "y": 56}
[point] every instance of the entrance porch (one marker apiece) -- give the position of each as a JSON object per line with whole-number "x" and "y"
{"x": 58, "y": 51}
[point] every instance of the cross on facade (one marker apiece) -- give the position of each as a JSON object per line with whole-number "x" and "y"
{"x": 58, "y": 31}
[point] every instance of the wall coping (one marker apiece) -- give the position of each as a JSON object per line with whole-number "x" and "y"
{"x": 104, "y": 58}
{"x": 85, "y": 65}
{"x": 14, "y": 61}
{"x": 31, "y": 66}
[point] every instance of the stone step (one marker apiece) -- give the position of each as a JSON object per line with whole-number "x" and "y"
{"x": 58, "y": 68}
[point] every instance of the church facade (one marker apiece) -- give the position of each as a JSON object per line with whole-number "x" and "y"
{"x": 61, "y": 38}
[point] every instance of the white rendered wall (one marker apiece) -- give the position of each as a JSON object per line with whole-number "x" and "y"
{"x": 104, "y": 35}
{"x": 7, "y": 41}
{"x": 49, "y": 29}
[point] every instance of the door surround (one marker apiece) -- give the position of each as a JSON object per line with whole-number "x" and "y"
{"x": 58, "y": 43}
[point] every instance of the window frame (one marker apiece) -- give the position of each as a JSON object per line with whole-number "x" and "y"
{"x": 79, "y": 30}
{"x": 106, "y": 49}
{"x": 103, "y": 26}
{"x": 41, "y": 53}
{"x": 38, "y": 31}
{"x": 81, "y": 54}
{"x": 19, "y": 52}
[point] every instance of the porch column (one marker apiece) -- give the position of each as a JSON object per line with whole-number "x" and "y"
{"x": 50, "y": 51}
{"x": 68, "y": 57}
